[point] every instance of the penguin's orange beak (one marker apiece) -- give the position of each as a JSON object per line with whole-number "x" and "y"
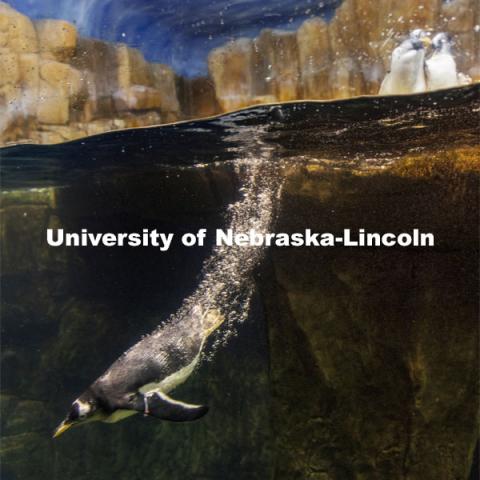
{"x": 427, "y": 41}
{"x": 63, "y": 427}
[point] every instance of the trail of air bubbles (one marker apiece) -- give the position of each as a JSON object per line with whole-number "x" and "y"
{"x": 226, "y": 280}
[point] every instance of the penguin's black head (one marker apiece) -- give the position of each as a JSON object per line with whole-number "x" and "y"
{"x": 441, "y": 40}
{"x": 416, "y": 44}
{"x": 83, "y": 409}
{"x": 419, "y": 39}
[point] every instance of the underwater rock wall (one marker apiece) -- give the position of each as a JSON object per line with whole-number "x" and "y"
{"x": 57, "y": 86}
{"x": 361, "y": 364}
{"x": 68, "y": 313}
{"x": 373, "y": 352}
{"x": 345, "y": 57}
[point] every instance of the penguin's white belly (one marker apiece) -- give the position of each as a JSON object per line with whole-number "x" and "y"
{"x": 118, "y": 415}
{"x": 173, "y": 380}
{"x": 441, "y": 72}
{"x": 406, "y": 74}
{"x": 165, "y": 386}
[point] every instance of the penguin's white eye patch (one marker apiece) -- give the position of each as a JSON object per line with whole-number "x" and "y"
{"x": 80, "y": 409}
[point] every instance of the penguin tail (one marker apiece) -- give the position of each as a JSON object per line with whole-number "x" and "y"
{"x": 212, "y": 320}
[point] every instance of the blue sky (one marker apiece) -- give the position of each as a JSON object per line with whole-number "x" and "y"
{"x": 177, "y": 32}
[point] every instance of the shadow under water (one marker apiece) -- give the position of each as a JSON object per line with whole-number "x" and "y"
{"x": 335, "y": 363}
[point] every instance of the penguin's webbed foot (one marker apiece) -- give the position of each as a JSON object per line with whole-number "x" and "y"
{"x": 159, "y": 405}
{"x": 145, "y": 402}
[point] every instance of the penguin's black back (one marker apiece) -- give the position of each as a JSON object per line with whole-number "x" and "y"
{"x": 164, "y": 352}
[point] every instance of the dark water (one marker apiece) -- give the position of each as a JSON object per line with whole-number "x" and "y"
{"x": 333, "y": 364}
{"x": 351, "y": 132}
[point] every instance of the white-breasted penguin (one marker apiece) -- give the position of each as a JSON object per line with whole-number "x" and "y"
{"x": 407, "y": 73}
{"x": 140, "y": 380}
{"x": 441, "y": 68}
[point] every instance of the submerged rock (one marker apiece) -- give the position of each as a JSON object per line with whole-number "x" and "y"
{"x": 373, "y": 352}
{"x": 354, "y": 363}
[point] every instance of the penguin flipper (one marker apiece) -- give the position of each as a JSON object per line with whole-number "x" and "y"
{"x": 159, "y": 405}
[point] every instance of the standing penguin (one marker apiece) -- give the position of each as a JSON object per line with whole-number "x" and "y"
{"x": 140, "y": 380}
{"x": 441, "y": 68}
{"x": 406, "y": 73}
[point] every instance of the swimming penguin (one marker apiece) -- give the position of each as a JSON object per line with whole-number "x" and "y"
{"x": 140, "y": 380}
{"x": 441, "y": 68}
{"x": 406, "y": 73}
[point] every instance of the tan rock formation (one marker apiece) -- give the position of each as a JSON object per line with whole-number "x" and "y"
{"x": 278, "y": 65}
{"x": 59, "y": 85}
{"x": 98, "y": 61}
{"x": 314, "y": 58}
{"x": 57, "y": 39}
{"x": 346, "y": 57}
{"x": 17, "y": 32}
{"x": 52, "y": 78}
{"x": 461, "y": 17}
{"x": 63, "y": 78}
{"x": 132, "y": 68}
{"x": 165, "y": 82}
{"x": 231, "y": 70}
{"x": 56, "y": 86}
{"x": 28, "y": 82}
{"x": 197, "y": 97}
{"x": 9, "y": 68}
{"x": 52, "y": 107}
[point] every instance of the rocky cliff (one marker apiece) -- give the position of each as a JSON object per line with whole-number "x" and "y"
{"x": 349, "y": 328}
{"x": 57, "y": 86}
{"x": 345, "y": 57}
{"x": 30, "y": 409}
